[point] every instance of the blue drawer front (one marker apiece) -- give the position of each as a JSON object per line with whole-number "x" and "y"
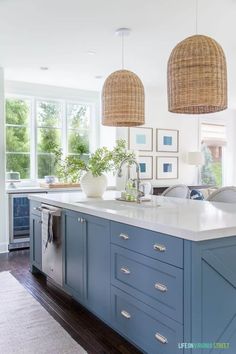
{"x": 158, "y": 284}
{"x": 144, "y": 326}
{"x": 163, "y": 247}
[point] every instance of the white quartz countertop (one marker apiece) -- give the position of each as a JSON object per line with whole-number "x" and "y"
{"x": 35, "y": 189}
{"x": 187, "y": 219}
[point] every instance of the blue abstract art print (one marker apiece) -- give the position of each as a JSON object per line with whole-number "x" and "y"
{"x": 140, "y": 139}
{"x": 167, "y": 167}
{"x": 167, "y": 140}
{"x": 143, "y": 167}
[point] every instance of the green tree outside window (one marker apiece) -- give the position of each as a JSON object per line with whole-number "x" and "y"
{"x": 18, "y": 137}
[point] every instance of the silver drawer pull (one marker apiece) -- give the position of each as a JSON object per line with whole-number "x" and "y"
{"x": 124, "y": 237}
{"x": 126, "y": 314}
{"x": 161, "y": 287}
{"x": 125, "y": 270}
{"x": 161, "y": 338}
{"x": 81, "y": 220}
{"x": 38, "y": 209}
{"x": 160, "y": 248}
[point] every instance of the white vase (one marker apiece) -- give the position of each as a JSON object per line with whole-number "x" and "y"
{"x": 93, "y": 186}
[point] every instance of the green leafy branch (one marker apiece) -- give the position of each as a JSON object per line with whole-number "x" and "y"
{"x": 70, "y": 168}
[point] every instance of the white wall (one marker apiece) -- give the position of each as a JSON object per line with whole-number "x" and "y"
{"x": 3, "y": 235}
{"x": 157, "y": 116}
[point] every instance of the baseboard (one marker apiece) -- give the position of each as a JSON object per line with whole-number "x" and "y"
{"x": 3, "y": 247}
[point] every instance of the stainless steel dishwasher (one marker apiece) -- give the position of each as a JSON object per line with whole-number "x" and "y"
{"x": 52, "y": 251}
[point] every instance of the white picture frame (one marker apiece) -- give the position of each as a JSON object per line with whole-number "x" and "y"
{"x": 141, "y": 139}
{"x": 167, "y": 167}
{"x": 145, "y": 168}
{"x": 167, "y": 140}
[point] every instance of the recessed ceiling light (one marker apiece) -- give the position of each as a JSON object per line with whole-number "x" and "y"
{"x": 43, "y": 68}
{"x": 91, "y": 52}
{"x": 98, "y": 77}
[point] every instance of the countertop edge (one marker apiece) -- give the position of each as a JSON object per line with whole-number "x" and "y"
{"x": 196, "y": 236}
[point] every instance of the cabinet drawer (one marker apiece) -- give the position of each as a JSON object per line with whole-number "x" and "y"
{"x": 157, "y": 284}
{"x": 150, "y": 330}
{"x": 163, "y": 247}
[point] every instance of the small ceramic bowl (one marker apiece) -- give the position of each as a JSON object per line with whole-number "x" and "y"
{"x": 49, "y": 179}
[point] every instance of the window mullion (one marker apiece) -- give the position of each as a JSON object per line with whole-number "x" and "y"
{"x": 32, "y": 141}
{"x": 64, "y": 127}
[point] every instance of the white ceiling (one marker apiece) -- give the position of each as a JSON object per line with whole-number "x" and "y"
{"x": 59, "y": 33}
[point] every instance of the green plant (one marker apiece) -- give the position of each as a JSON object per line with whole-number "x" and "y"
{"x": 105, "y": 160}
{"x": 68, "y": 169}
{"x": 207, "y": 173}
{"x": 119, "y": 153}
{"x": 100, "y": 161}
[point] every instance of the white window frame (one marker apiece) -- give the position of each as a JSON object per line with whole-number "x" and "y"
{"x": 94, "y": 131}
{"x": 223, "y": 160}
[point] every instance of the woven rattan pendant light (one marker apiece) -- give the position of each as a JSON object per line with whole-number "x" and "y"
{"x": 123, "y": 96}
{"x": 197, "y": 76}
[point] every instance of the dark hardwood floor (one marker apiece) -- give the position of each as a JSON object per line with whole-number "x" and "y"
{"x": 91, "y": 333}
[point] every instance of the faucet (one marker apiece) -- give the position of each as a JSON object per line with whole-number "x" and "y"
{"x": 131, "y": 161}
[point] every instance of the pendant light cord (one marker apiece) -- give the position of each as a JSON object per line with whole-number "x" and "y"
{"x": 196, "y": 19}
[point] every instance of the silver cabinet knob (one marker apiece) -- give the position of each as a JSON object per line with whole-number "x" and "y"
{"x": 126, "y": 314}
{"x": 124, "y": 237}
{"x": 161, "y": 338}
{"x": 161, "y": 287}
{"x": 81, "y": 220}
{"x": 125, "y": 270}
{"x": 160, "y": 248}
{"x": 40, "y": 222}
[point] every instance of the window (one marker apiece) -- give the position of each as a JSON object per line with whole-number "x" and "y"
{"x": 213, "y": 138}
{"x": 18, "y": 136}
{"x": 35, "y": 126}
{"x": 78, "y": 122}
{"x": 49, "y": 124}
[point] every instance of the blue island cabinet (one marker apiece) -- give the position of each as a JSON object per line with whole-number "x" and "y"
{"x": 171, "y": 295}
{"x": 87, "y": 261}
{"x": 210, "y": 295}
{"x": 165, "y": 294}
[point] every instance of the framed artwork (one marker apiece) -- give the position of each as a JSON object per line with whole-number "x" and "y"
{"x": 167, "y": 167}
{"x": 167, "y": 140}
{"x": 141, "y": 139}
{"x": 145, "y": 167}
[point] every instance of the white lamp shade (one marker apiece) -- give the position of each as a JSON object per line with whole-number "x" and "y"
{"x": 196, "y": 158}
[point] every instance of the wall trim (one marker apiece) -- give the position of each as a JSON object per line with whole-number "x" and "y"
{"x": 3, "y": 247}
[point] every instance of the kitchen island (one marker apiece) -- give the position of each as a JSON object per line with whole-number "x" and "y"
{"x": 162, "y": 274}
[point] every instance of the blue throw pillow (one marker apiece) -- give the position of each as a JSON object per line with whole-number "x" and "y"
{"x": 196, "y": 195}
